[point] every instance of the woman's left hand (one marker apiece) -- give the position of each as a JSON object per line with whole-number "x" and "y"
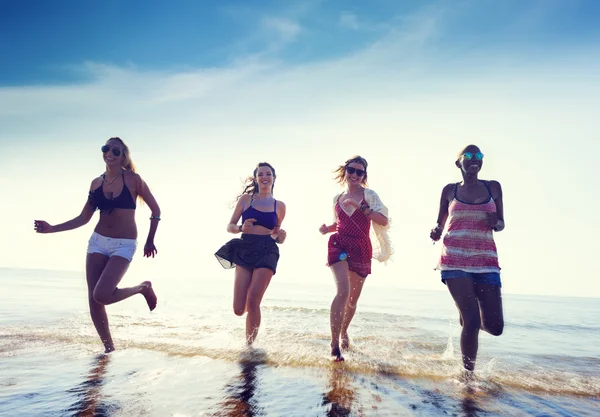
{"x": 150, "y": 249}
{"x": 279, "y": 234}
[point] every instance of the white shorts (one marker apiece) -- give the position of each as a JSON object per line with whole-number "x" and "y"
{"x": 111, "y": 246}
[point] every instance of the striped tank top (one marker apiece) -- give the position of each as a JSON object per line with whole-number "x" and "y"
{"x": 468, "y": 244}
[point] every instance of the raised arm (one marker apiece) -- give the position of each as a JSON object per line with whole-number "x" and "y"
{"x": 84, "y": 217}
{"x": 374, "y": 208}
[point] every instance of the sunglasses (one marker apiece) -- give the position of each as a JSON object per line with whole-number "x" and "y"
{"x": 115, "y": 151}
{"x": 359, "y": 172}
{"x": 469, "y": 155}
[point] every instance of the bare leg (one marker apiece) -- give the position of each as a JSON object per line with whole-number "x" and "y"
{"x": 338, "y": 306}
{"x": 261, "y": 277}
{"x": 240, "y": 289}
{"x": 490, "y": 303}
{"x": 356, "y": 285}
{"x": 94, "y": 265}
{"x": 106, "y": 291}
{"x": 465, "y": 297}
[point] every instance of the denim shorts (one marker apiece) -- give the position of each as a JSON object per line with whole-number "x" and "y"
{"x": 479, "y": 278}
{"x": 110, "y": 246}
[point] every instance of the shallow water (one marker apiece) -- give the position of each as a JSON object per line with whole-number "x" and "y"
{"x": 187, "y": 358}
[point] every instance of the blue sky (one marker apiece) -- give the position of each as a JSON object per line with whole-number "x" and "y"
{"x": 47, "y": 41}
{"x": 202, "y": 91}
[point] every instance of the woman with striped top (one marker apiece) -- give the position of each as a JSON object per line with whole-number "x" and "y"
{"x": 469, "y": 266}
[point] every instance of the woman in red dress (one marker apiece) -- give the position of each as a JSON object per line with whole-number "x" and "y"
{"x": 350, "y": 249}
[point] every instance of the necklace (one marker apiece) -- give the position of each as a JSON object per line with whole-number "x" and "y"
{"x": 111, "y": 181}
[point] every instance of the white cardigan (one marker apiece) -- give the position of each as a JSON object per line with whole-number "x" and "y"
{"x": 382, "y": 246}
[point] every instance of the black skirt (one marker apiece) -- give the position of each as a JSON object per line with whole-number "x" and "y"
{"x": 250, "y": 252}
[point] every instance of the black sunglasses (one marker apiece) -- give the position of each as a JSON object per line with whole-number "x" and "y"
{"x": 115, "y": 151}
{"x": 359, "y": 172}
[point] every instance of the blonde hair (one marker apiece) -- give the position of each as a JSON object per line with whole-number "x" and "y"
{"x": 127, "y": 163}
{"x": 340, "y": 172}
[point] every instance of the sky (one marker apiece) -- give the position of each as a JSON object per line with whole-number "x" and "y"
{"x": 203, "y": 91}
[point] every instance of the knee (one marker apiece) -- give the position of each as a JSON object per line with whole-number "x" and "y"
{"x": 495, "y": 329}
{"x": 100, "y": 297}
{"x": 471, "y": 322}
{"x": 343, "y": 294}
{"x": 239, "y": 310}
{"x": 253, "y": 304}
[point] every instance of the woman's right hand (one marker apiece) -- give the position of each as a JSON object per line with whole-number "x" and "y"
{"x": 436, "y": 233}
{"x": 247, "y": 225}
{"x": 40, "y": 226}
{"x": 323, "y": 229}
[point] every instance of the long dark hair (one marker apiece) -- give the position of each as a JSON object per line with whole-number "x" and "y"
{"x": 251, "y": 185}
{"x": 340, "y": 172}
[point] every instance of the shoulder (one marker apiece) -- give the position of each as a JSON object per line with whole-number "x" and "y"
{"x": 448, "y": 189}
{"x": 495, "y": 187}
{"x": 96, "y": 183}
{"x": 133, "y": 176}
{"x": 245, "y": 199}
{"x": 280, "y": 204}
{"x": 370, "y": 192}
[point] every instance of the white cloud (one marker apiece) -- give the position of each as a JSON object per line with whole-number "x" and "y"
{"x": 285, "y": 29}
{"x": 348, "y": 20}
{"x": 399, "y": 102}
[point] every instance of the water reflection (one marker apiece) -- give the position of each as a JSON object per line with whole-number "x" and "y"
{"x": 341, "y": 396}
{"x": 89, "y": 393}
{"x": 241, "y": 390}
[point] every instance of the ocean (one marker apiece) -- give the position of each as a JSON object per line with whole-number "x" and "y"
{"x": 188, "y": 357}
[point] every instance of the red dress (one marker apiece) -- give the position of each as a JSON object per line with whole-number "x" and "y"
{"x": 351, "y": 242}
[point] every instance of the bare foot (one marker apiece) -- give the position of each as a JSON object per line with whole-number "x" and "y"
{"x": 336, "y": 354}
{"x": 109, "y": 348}
{"x": 149, "y": 295}
{"x": 345, "y": 341}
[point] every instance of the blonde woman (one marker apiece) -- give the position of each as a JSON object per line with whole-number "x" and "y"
{"x": 114, "y": 241}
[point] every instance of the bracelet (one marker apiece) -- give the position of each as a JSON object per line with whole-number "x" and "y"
{"x": 155, "y": 218}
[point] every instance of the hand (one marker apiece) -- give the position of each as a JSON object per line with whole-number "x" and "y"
{"x": 150, "y": 249}
{"x": 279, "y": 235}
{"x": 436, "y": 233}
{"x": 41, "y": 226}
{"x": 348, "y": 202}
{"x": 323, "y": 229}
{"x": 247, "y": 225}
{"x": 491, "y": 219}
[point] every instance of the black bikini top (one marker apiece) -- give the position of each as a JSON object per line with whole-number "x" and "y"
{"x": 98, "y": 199}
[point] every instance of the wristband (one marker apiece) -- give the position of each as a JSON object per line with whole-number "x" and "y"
{"x": 155, "y": 218}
